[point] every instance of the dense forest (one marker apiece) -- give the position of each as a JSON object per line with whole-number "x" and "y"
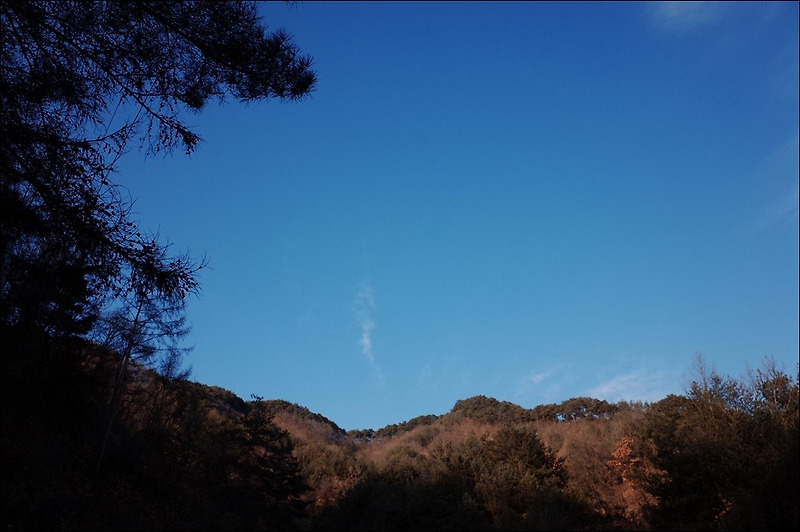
{"x": 82, "y": 452}
{"x": 103, "y": 429}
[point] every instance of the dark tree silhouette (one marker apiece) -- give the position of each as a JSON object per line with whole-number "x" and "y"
{"x": 81, "y": 82}
{"x": 144, "y": 331}
{"x": 726, "y": 453}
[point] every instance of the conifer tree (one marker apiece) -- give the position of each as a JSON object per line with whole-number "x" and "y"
{"x": 82, "y": 82}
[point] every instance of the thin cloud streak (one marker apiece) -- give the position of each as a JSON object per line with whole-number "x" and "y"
{"x": 365, "y": 307}
{"x": 366, "y": 339}
{"x": 784, "y": 208}
{"x": 637, "y": 385}
{"x": 681, "y": 17}
{"x": 539, "y": 387}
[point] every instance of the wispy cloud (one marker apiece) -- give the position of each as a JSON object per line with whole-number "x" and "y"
{"x": 784, "y": 208}
{"x": 366, "y": 339}
{"x": 540, "y": 387}
{"x": 364, "y": 305}
{"x": 426, "y": 374}
{"x": 681, "y": 17}
{"x": 365, "y": 308}
{"x": 536, "y": 378}
{"x": 638, "y": 385}
{"x": 550, "y": 386}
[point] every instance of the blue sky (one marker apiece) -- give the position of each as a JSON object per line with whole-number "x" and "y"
{"x": 528, "y": 201}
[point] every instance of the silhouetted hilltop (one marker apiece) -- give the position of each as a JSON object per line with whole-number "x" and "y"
{"x": 483, "y": 409}
{"x": 490, "y": 410}
{"x": 297, "y": 419}
{"x": 225, "y": 402}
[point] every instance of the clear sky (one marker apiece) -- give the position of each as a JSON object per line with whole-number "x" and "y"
{"x": 528, "y": 201}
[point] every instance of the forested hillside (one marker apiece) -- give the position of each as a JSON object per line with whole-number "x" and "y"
{"x": 81, "y": 452}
